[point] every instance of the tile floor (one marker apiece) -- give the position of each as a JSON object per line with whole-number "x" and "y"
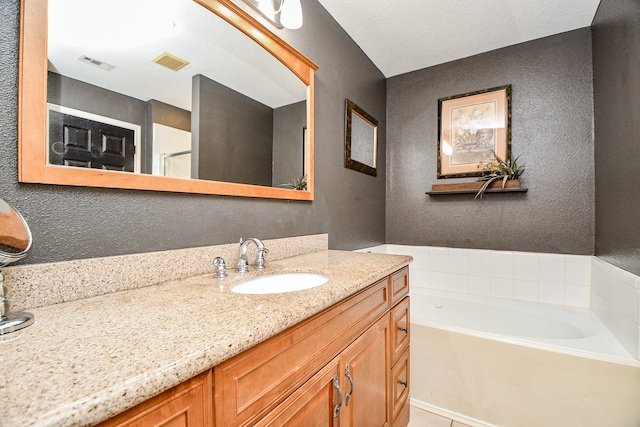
{"x": 421, "y": 418}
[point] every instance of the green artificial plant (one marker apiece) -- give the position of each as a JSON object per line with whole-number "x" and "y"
{"x": 498, "y": 169}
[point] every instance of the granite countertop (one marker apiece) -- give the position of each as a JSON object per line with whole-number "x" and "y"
{"x": 84, "y": 361}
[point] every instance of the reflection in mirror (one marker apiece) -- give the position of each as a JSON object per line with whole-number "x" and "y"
{"x": 15, "y": 237}
{"x": 163, "y": 95}
{"x": 361, "y": 140}
{"x": 227, "y": 98}
{"x": 15, "y": 241}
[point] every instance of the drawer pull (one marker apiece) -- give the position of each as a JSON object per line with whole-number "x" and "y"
{"x": 336, "y": 384}
{"x": 405, "y": 330}
{"x": 348, "y": 375}
{"x": 404, "y": 383}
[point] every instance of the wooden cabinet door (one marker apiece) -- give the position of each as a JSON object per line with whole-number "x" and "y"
{"x": 400, "y": 390}
{"x": 186, "y": 405}
{"x": 366, "y": 368}
{"x": 315, "y": 404}
{"x": 399, "y": 329}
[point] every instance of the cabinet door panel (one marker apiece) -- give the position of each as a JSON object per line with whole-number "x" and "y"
{"x": 369, "y": 368}
{"x": 312, "y": 405}
{"x": 399, "y": 329}
{"x": 400, "y": 386}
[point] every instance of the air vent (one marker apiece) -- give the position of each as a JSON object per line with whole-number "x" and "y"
{"x": 95, "y": 62}
{"x": 170, "y": 61}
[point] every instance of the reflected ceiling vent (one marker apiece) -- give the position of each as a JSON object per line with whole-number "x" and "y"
{"x": 170, "y": 61}
{"x": 95, "y": 62}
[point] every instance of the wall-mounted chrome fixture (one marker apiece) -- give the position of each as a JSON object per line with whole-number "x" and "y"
{"x": 282, "y": 13}
{"x": 15, "y": 241}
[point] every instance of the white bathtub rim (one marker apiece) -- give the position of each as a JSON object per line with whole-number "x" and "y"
{"x": 568, "y": 322}
{"x": 547, "y": 347}
{"x": 603, "y": 338}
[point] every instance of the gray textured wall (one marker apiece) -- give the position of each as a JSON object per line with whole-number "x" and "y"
{"x": 232, "y": 135}
{"x": 616, "y": 81}
{"x": 74, "y": 222}
{"x": 353, "y": 202}
{"x": 82, "y": 96}
{"x": 169, "y": 115}
{"x": 288, "y": 144}
{"x": 552, "y": 128}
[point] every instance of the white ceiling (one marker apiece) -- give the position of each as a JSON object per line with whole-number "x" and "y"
{"x": 407, "y": 35}
{"x": 128, "y": 34}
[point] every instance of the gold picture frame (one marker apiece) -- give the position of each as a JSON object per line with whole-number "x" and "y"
{"x": 471, "y": 128}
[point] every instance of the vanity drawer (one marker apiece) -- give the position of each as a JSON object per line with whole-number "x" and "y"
{"x": 254, "y": 382}
{"x": 399, "y": 285}
{"x": 399, "y": 329}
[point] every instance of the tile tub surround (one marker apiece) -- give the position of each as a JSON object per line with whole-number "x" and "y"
{"x": 39, "y": 285}
{"x": 615, "y": 298}
{"x": 86, "y": 360}
{"x": 570, "y": 280}
{"x": 526, "y": 276}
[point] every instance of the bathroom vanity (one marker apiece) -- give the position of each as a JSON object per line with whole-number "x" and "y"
{"x": 337, "y": 354}
{"x": 347, "y": 365}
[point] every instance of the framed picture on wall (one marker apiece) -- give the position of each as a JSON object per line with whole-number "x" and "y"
{"x": 361, "y": 140}
{"x": 471, "y": 128}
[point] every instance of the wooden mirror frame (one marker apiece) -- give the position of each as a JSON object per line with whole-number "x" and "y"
{"x": 32, "y": 98}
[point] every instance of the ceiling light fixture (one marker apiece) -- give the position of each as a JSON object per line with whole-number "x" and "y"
{"x": 291, "y": 14}
{"x": 281, "y": 13}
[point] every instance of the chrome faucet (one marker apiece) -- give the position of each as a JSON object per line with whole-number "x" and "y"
{"x": 242, "y": 266}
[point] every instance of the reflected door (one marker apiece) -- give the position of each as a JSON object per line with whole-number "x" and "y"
{"x": 80, "y": 142}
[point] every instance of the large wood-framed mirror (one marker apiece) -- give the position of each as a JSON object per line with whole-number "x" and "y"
{"x": 59, "y": 106}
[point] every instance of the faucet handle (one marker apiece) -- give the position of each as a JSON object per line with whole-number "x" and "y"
{"x": 260, "y": 258}
{"x": 219, "y": 268}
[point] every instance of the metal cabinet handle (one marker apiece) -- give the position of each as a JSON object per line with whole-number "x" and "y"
{"x": 404, "y": 383}
{"x": 336, "y": 384}
{"x": 405, "y": 330}
{"x": 348, "y": 375}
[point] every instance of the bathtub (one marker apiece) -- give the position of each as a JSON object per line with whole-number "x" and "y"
{"x": 494, "y": 362}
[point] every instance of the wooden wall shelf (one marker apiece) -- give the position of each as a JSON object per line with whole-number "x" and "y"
{"x": 497, "y": 190}
{"x": 511, "y": 186}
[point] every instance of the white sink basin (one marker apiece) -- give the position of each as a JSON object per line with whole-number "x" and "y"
{"x": 279, "y": 283}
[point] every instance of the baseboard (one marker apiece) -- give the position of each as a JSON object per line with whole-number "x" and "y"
{"x": 455, "y": 416}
